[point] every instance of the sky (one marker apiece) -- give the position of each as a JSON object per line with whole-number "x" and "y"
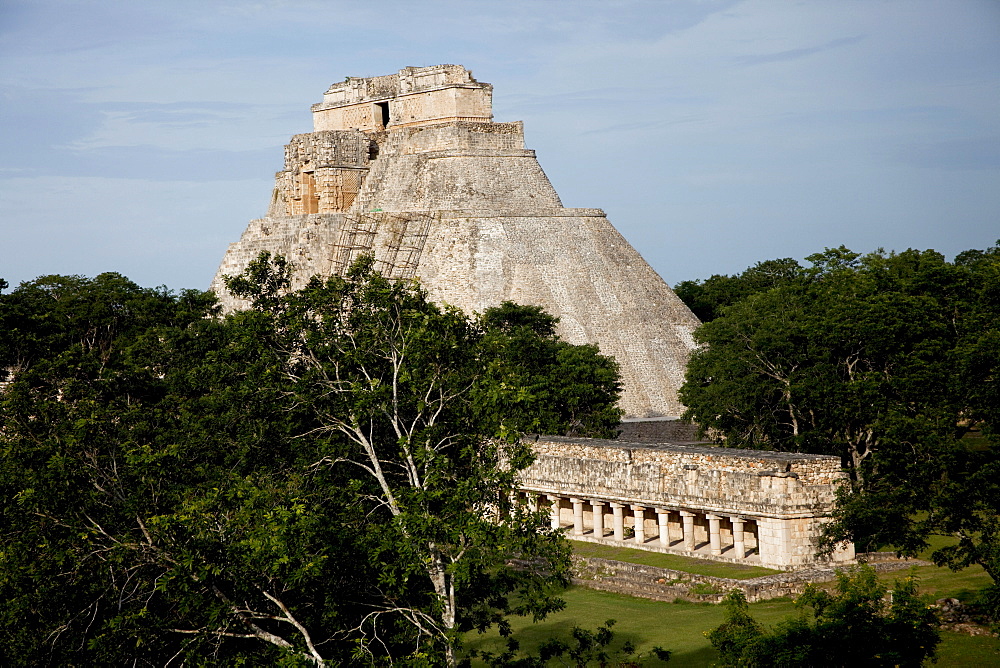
{"x": 141, "y": 136}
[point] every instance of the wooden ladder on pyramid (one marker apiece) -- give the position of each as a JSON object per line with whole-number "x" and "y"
{"x": 398, "y": 259}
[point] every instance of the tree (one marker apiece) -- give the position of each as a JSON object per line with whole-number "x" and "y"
{"x": 98, "y": 450}
{"x": 313, "y": 479}
{"x": 886, "y": 360}
{"x": 707, "y": 298}
{"x": 390, "y": 379}
{"x": 542, "y": 384}
{"x": 820, "y": 365}
{"x": 855, "y": 627}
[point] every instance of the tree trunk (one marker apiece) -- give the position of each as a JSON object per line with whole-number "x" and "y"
{"x": 445, "y": 590}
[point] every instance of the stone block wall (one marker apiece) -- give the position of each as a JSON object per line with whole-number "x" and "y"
{"x": 366, "y": 116}
{"x": 408, "y": 80}
{"x": 785, "y": 472}
{"x": 461, "y": 136}
{"x": 573, "y": 263}
{"x": 451, "y": 103}
{"x": 323, "y": 172}
{"x": 323, "y": 190}
{"x": 414, "y": 182}
{"x": 306, "y": 240}
{"x": 664, "y": 584}
{"x": 657, "y": 430}
{"x": 413, "y": 96}
{"x": 342, "y": 148}
{"x": 457, "y": 166}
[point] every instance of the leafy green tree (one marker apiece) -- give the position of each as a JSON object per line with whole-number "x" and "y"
{"x": 707, "y": 298}
{"x": 886, "y": 360}
{"x": 154, "y": 504}
{"x": 855, "y": 627}
{"x": 389, "y": 379}
{"x": 311, "y": 480}
{"x": 541, "y": 384}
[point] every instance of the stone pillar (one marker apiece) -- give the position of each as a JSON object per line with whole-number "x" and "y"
{"x": 639, "y": 517}
{"x": 532, "y": 502}
{"x": 714, "y": 538}
{"x": 767, "y": 542}
{"x": 598, "y": 507}
{"x": 554, "y": 510}
{"x": 662, "y": 516}
{"x": 688, "y": 519}
{"x": 619, "y": 520}
{"x": 577, "y": 516}
{"x": 739, "y": 546}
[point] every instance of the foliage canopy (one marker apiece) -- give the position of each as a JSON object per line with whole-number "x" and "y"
{"x": 857, "y": 626}
{"x": 325, "y": 477}
{"x": 889, "y": 361}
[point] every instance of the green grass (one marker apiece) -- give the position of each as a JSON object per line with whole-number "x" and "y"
{"x": 961, "y": 651}
{"x": 672, "y": 561}
{"x": 939, "y": 582}
{"x": 936, "y": 582}
{"x": 680, "y": 627}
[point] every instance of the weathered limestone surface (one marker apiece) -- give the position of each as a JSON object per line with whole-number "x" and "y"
{"x": 658, "y": 430}
{"x": 413, "y": 95}
{"x": 411, "y": 167}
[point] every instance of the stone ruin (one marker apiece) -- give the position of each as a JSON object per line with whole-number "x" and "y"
{"x": 724, "y": 504}
{"x": 412, "y": 167}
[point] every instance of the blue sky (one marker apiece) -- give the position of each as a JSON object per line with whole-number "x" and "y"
{"x": 141, "y": 136}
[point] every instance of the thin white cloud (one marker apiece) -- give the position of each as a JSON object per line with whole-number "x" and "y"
{"x": 775, "y": 127}
{"x": 186, "y": 127}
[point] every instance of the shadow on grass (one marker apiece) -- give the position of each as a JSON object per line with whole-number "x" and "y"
{"x": 671, "y": 561}
{"x": 531, "y": 637}
{"x": 703, "y": 656}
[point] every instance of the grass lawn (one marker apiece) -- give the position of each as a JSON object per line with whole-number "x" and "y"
{"x": 942, "y": 582}
{"x": 939, "y": 582}
{"x": 673, "y": 561}
{"x": 680, "y": 627}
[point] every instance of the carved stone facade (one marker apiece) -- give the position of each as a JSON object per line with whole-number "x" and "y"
{"x": 411, "y": 167}
{"x": 323, "y": 172}
{"x": 745, "y": 506}
{"x": 415, "y": 95}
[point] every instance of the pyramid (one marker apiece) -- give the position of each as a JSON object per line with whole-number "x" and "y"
{"x": 411, "y": 167}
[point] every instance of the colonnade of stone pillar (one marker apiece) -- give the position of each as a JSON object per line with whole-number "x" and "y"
{"x": 690, "y": 525}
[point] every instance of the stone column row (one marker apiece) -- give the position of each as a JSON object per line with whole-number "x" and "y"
{"x": 639, "y": 514}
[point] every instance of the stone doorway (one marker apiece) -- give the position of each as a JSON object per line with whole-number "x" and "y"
{"x": 382, "y": 114}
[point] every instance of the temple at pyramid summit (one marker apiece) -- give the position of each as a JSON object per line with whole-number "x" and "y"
{"x": 412, "y": 168}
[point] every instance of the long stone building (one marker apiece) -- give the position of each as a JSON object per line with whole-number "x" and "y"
{"x": 744, "y": 506}
{"x": 412, "y": 167}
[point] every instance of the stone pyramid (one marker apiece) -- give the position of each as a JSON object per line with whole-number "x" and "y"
{"x": 412, "y": 167}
